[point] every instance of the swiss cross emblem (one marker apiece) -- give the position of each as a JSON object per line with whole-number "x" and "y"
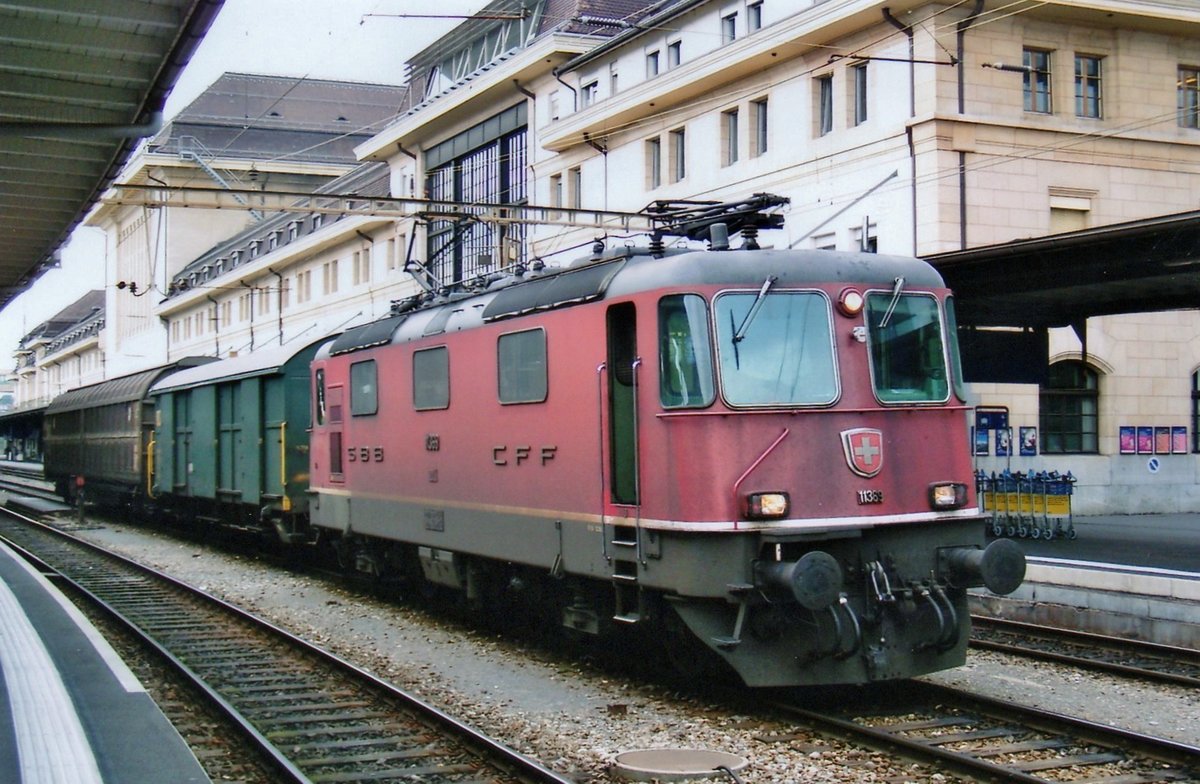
{"x": 864, "y": 450}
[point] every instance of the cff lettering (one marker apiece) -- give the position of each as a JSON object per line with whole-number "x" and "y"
{"x": 520, "y": 455}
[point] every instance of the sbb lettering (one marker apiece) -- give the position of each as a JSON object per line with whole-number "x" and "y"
{"x": 364, "y": 454}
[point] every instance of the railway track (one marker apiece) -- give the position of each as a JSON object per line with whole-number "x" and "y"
{"x": 1133, "y": 658}
{"x": 313, "y": 716}
{"x": 994, "y": 740}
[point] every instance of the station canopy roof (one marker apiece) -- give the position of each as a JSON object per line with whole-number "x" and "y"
{"x": 1060, "y": 280}
{"x": 83, "y": 81}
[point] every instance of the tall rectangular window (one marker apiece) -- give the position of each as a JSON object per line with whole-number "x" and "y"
{"x": 329, "y": 276}
{"x": 614, "y": 81}
{"x": 362, "y": 266}
{"x": 575, "y": 181}
{"x": 758, "y": 117}
{"x": 653, "y": 163}
{"x": 754, "y": 19}
{"x": 729, "y": 137}
{"x": 1037, "y": 80}
{"x": 393, "y": 260}
{"x": 303, "y": 286}
{"x": 1189, "y": 97}
{"x": 1087, "y": 86}
{"x": 589, "y": 93}
{"x": 860, "y": 93}
{"x": 674, "y": 54}
{"x": 556, "y": 191}
{"x": 678, "y": 140}
{"x": 824, "y": 104}
{"x": 728, "y": 28}
{"x": 651, "y": 64}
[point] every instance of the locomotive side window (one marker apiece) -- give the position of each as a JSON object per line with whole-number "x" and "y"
{"x": 955, "y": 355}
{"x": 431, "y": 379}
{"x": 775, "y": 348}
{"x": 319, "y": 396}
{"x": 364, "y": 388}
{"x": 908, "y": 359}
{"x": 685, "y": 377}
{"x": 521, "y": 363}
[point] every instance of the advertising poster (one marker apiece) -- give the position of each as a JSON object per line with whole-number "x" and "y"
{"x": 1029, "y": 446}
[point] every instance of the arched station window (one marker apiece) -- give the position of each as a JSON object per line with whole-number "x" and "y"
{"x": 1196, "y": 411}
{"x": 1069, "y": 402}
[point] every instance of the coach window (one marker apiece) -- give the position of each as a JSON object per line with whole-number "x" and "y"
{"x": 1069, "y": 404}
{"x": 364, "y": 390}
{"x": 431, "y": 379}
{"x": 521, "y": 365}
{"x": 685, "y": 371}
{"x": 908, "y": 358}
{"x": 320, "y": 395}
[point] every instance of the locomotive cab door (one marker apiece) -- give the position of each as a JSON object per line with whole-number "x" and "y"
{"x": 623, "y": 362}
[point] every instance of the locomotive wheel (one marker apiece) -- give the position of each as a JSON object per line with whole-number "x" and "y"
{"x": 692, "y": 662}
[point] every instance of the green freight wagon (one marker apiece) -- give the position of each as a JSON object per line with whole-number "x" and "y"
{"x": 95, "y": 437}
{"x": 230, "y": 442}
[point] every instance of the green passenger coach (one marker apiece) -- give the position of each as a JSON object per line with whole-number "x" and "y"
{"x": 231, "y": 442}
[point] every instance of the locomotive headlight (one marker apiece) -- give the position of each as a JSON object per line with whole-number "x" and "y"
{"x": 947, "y": 495}
{"x": 850, "y": 302}
{"x": 766, "y": 506}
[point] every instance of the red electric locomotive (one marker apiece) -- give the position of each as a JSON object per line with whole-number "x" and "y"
{"x": 763, "y": 451}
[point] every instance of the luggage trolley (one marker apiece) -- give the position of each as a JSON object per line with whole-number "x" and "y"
{"x": 1035, "y": 505}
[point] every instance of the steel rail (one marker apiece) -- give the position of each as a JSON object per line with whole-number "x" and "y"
{"x": 496, "y": 753}
{"x": 1163, "y": 759}
{"x": 1168, "y": 655}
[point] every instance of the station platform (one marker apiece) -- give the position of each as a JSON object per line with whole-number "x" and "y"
{"x": 71, "y": 712}
{"x": 1135, "y": 576}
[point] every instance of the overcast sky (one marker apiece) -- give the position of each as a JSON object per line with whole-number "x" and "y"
{"x": 351, "y": 40}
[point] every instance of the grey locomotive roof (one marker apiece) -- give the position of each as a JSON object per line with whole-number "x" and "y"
{"x": 629, "y": 271}
{"x": 256, "y": 363}
{"x": 124, "y": 389}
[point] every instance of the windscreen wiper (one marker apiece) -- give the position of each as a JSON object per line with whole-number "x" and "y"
{"x": 740, "y": 335}
{"x": 891, "y": 308}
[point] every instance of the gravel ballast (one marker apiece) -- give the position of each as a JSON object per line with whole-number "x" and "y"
{"x": 575, "y": 717}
